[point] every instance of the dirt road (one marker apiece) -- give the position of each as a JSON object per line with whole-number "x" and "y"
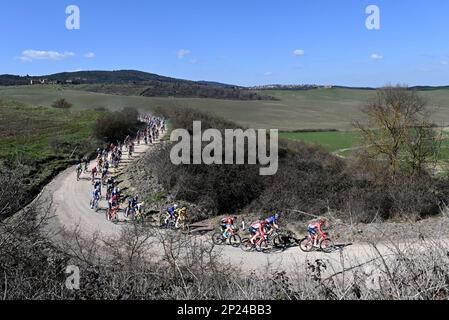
{"x": 70, "y": 205}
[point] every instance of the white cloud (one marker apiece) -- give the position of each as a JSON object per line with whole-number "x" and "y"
{"x": 445, "y": 62}
{"x": 376, "y": 56}
{"x": 298, "y": 52}
{"x": 269, "y": 73}
{"x": 90, "y": 55}
{"x": 182, "y": 53}
{"x": 194, "y": 61}
{"x": 31, "y": 55}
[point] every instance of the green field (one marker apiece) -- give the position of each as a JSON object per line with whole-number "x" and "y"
{"x": 32, "y": 133}
{"x": 39, "y": 142}
{"x": 332, "y": 141}
{"x": 312, "y": 109}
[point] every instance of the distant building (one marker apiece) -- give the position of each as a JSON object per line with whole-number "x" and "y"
{"x": 42, "y": 81}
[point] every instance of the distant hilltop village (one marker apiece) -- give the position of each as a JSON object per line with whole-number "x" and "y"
{"x": 50, "y": 81}
{"x": 290, "y": 87}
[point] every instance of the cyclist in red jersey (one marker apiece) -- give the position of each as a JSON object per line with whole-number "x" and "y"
{"x": 315, "y": 230}
{"x": 227, "y": 224}
{"x": 257, "y": 230}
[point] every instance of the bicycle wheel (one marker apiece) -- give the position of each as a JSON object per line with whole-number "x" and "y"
{"x": 306, "y": 244}
{"x": 246, "y": 245}
{"x": 263, "y": 246}
{"x": 162, "y": 222}
{"x": 327, "y": 245}
{"x": 278, "y": 242}
{"x": 217, "y": 238}
{"x": 235, "y": 240}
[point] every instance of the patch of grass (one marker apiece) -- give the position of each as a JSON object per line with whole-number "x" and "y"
{"x": 34, "y": 133}
{"x": 39, "y": 142}
{"x": 330, "y": 141}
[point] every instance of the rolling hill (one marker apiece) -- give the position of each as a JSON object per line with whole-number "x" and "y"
{"x": 131, "y": 82}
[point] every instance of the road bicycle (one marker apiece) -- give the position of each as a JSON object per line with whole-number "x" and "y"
{"x": 174, "y": 224}
{"x": 233, "y": 238}
{"x": 111, "y": 214}
{"x": 324, "y": 243}
{"x": 95, "y": 205}
{"x": 260, "y": 244}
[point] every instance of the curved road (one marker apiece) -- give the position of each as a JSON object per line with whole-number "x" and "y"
{"x": 70, "y": 205}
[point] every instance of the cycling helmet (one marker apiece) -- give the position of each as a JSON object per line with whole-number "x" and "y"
{"x": 175, "y": 206}
{"x": 236, "y": 218}
{"x": 277, "y": 216}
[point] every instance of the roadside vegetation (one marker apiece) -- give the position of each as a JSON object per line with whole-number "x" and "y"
{"x": 35, "y": 268}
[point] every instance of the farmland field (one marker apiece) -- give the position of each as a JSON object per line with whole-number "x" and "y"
{"x": 43, "y": 141}
{"x": 327, "y": 109}
{"x": 315, "y": 109}
{"x": 329, "y": 140}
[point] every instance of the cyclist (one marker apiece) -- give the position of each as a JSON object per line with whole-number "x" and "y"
{"x": 132, "y": 205}
{"x": 116, "y": 192}
{"x": 181, "y": 215}
{"x": 113, "y": 202}
{"x": 170, "y": 214}
{"x": 110, "y": 186}
{"x": 272, "y": 223}
{"x": 112, "y": 213}
{"x": 94, "y": 172}
{"x": 104, "y": 174}
{"x": 86, "y": 163}
{"x": 97, "y": 185}
{"x": 95, "y": 198}
{"x": 79, "y": 170}
{"x": 315, "y": 230}
{"x": 256, "y": 229}
{"x": 227, "y": 225}
{"x": 106, "y": 164}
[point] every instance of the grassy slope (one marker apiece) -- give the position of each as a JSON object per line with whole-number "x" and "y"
{"x": 41, "y": 140}
{"x": 331, "y": 141}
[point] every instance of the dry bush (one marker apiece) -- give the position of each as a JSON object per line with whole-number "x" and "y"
{"x": 308, "y": 179}
{"x": 11, "y": 190}
{"x": 62, "y": 104}
{"x": 115, "y": 126}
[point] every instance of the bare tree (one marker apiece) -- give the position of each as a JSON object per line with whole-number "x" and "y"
{"x": 399, "y": 130}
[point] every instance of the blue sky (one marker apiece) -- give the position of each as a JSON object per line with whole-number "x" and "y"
{"x": 240, "y": 42}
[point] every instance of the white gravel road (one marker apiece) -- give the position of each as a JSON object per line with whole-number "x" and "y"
{"x": 70, "y": 205}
